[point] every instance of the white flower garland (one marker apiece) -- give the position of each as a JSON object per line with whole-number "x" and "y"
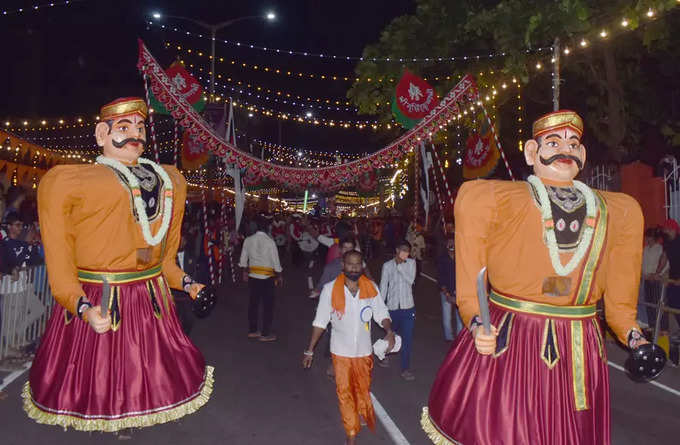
{"x": 133, "y": 182}
{"x": 549, "y": 225}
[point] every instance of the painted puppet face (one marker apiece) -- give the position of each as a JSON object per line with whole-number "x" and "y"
{"x": 122, "y": 138}
{"x": 557, "y": 155}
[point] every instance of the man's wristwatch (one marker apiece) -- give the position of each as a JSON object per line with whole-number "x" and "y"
{"x": 81, "y": 307}
{"x": 187, "y": 281}
{"x": 476, "y": 321}
{"x": 634, "y": 338}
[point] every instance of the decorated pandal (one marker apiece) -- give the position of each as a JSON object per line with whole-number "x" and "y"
{"x": 24, "y": 163}
{"x": 462, "y": 98}
{"x": 180, "y": 133}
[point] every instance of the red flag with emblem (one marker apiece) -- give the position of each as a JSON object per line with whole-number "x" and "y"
{"x": 415, "y": 98}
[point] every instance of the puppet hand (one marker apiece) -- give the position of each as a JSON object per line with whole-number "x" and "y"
{"x": 94, "y": 318}
{"x": 194, "y": 289}
{"x": 485, "y": 343}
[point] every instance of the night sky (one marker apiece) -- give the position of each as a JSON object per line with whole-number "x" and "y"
{"x": 67, "y": 61}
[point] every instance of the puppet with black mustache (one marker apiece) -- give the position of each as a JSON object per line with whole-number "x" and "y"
{"x": 533, "y": 259}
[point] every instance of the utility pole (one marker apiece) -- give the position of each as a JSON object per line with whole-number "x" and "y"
{"x": 556, "y": 74}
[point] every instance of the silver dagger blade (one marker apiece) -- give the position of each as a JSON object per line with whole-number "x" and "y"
{"x": 106, "y": 296}
{"x": 483, "y": 300}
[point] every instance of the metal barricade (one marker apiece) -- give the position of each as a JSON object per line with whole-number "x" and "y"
{"x": 655, "y": 295}
{"x": 25, "y": 305}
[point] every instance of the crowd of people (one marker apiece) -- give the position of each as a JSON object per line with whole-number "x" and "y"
{"x": 661, "y": 263}
{"x": 210, "y": 247}
{"x": 20, "y": 244}
{"x": 306, "y": 239}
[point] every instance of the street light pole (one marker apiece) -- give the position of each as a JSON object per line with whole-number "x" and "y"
{"x": 213, "y": 36}
{"x": 212, "y": 64}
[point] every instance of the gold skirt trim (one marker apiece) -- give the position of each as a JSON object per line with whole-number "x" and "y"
{"x": 433, "y": 432}
{"x": 109, "y": 426}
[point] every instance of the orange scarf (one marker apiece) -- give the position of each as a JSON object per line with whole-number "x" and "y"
{"x": 366, "y": 290}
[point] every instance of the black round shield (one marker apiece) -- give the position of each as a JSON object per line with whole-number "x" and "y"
{"x": 646, "y": 362}
{"x": 205, "y": 302}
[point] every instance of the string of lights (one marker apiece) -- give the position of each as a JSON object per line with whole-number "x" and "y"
{"x": 310, "y": 119}
{"x": 166, "y": 146}
{"x": 309, "y": 103}
{"x": 329, "y": 155}
{"x": 188, "y": 52}
{"x": 47, "y": 139}
{"x": 631, "y": 20}
{"x": 520, "y": 116}
{"x": 335, "y": 57}
{"x": 308, "y": 158}
{"x": 44, "y": 125}
{"x": 39, "y": 7}
{"x": 481, "y": 82}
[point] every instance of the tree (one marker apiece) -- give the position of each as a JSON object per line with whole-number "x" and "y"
{"x": 620, "y": 83}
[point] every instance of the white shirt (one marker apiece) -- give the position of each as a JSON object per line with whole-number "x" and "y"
{"x": 279, "y": 237}
{"x": 650, "y": 259}
{"x": 308, "y": 243}
{"x": 351, "y": 334}
{"x": 396, "y": 284}
{"x": 326, "y": 240}
{"x": 417, "y": 246}
{"x": 260, "y": 250}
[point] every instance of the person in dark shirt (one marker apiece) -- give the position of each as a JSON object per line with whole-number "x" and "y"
{"x": 446, "y": 268}
{"x": 16, "y": 252}
{"x": 671, "y": 230}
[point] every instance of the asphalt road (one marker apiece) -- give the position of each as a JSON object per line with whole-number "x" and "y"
{"x": 262, "y": 395}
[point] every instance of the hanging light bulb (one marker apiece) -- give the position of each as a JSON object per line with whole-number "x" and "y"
{"x": 603, "y": 33}
{"x": 584, "y": 43}
{"x": 624, "y": 23}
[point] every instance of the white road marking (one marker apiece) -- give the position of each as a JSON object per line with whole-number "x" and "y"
{"x": 423, "y": 274}
{"x": 14, "y": 375}
{"x": 657, "y": 384}
{"x": 391, "y": 427}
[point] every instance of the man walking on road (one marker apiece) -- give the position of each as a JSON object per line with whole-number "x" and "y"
{"x": 446, "y": 268}
{"x": 349, "y": 303}
{"x": 261, "y": 258}
{"x": 396, "y": 286}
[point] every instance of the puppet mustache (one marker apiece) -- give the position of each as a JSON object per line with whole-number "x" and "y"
{"x": 557, "y": 157}
{"x": 122, "y": 143}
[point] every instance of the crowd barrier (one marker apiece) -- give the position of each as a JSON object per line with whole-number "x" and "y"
{"x": 655, "y": 299}
{"x": 25, "y": 305}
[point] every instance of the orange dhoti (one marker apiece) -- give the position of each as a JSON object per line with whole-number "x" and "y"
{"x": 353, "y": 386}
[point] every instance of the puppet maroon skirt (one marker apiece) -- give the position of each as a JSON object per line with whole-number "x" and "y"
{"x": 142, "y": 372}
{"x": 547, "y": 383}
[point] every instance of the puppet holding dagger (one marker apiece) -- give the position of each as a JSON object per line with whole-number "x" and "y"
{"x": 531, "y": 368}
{"x": 114, "y": 355}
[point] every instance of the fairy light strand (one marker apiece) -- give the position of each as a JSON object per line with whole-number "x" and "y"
{"x": 40, "y": 7}
{"x": 335, "y": 57}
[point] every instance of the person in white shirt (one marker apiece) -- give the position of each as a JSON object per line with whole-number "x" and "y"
{"x": 396, "y": 286}
{"x": 654, "y": 269}
{"x": 349, "y": 303}
{"x": 262, "y": 271}
{"x": 308, "y": 245}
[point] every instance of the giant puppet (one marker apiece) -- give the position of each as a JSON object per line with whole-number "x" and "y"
{"x": 111, "y": 232}
{"x": 553, "y": 248}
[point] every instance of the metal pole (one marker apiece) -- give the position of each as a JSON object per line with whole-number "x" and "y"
{"x": 213, "y": 31}
{"x": 556, "y": 74}
{"x": 659, "y": 312}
